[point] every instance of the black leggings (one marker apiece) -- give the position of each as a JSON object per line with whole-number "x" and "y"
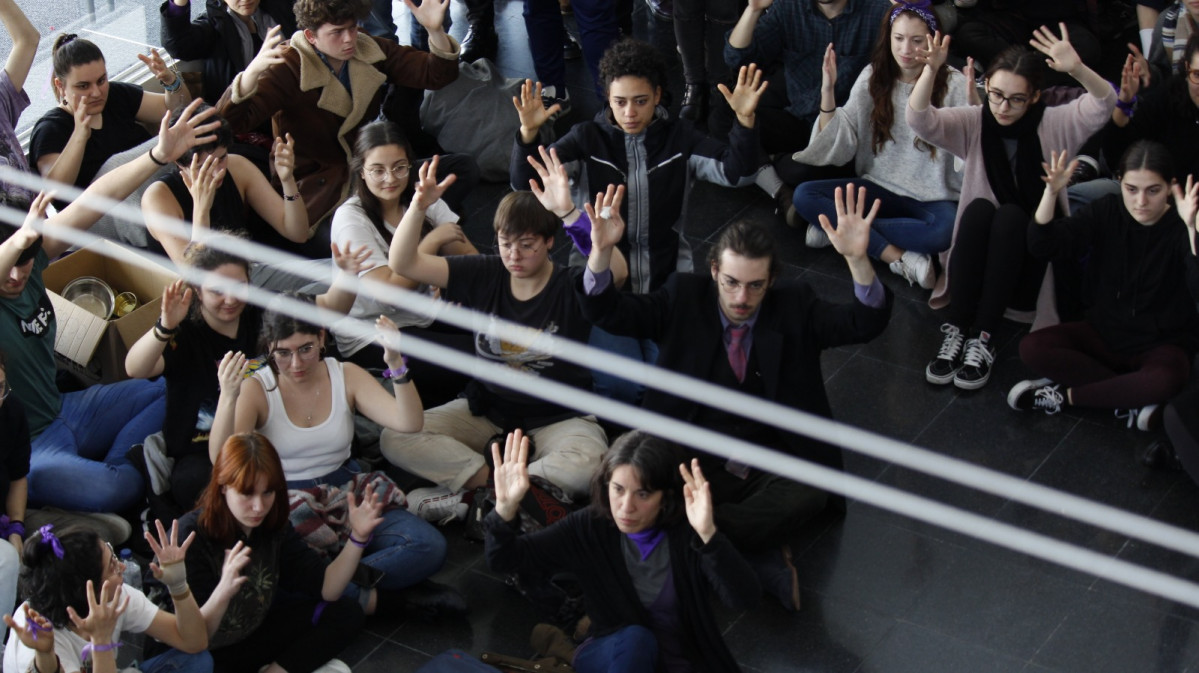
{"x": 989, "y": 266}
{"x": 288, "y": 637}
{"x": 1076, "y": 356}
{"x": 1182, "y": 426}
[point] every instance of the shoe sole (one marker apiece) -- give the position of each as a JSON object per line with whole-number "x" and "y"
{"x": 963, "y": 384}
{"x": 940, "y": 380}
{"x": 1020, "y": 388}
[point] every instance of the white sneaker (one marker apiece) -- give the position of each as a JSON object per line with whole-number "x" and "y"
{"x": 815, "y": 237}
{"x": 437, "y": 504}
{"x": 334, "y": 666}
{"x": 916, "y": 268}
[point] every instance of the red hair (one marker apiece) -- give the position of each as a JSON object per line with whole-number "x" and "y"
{"x": 244, "y": 460}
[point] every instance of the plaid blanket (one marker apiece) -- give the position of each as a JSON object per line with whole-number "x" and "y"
{"x": 321, "y": 514}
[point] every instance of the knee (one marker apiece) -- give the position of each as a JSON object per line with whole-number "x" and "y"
{"x": 638, "y": 643}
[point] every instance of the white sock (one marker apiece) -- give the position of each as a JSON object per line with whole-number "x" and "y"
{"x": 768, "y": 179}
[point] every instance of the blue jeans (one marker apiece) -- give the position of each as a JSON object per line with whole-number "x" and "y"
{"x": 908, "y": 224}
{"x": 598, "y": 29}
{"x": 78, "y": 461}
{"x": 633, "y": 649}
{"x": 610, "y": 385}
{"x": 380, "y": 22}
{"x": 174, "y": 661}
{"x": 1086, "y": 192}
{"x": 405, "y": 547}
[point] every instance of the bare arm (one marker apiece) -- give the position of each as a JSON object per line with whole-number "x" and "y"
{"x": 14, "y": 506}
{"x": 288, "y": 216}
{"x": 161, "y": 208}
{"x": 145, "y": 357}
{"x": 404, "y": 412}
{"x": 25, "y": 39}
{"x": 233, "y": 414}
{"x": 405, "y": 257}
{"x": 743, "y": 33}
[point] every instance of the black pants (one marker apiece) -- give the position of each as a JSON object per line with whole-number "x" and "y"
{"x": 761, "y": 511}
{"x": 289, "y": 638}
{"x": 990, "y": 266}
{"x": 986, "y": 34}
{"x": 1182, "y": 426}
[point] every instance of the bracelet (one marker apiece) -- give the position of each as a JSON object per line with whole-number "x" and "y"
{"x": 163, "y": 328}
{"x": 568, "y": 214}
{"x": 164, "y": 338}
{"x": 360, "y": 543}
{"x": 172, "y": 88}
{"x": 292, "y": 197}
{"x": 183, "y": 596}
{"x": 150, "y": 152}
{"x": 827, "y": 112}
{"x": 1126, "y": 108}
{"x": 90, "y": 648}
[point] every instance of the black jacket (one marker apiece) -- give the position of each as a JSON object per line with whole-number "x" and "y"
{"x": 792, "y": 328}
{"x": 591, "y": 548}
{"x": 214, "y": 39}
{"x": 1135, "y": 283}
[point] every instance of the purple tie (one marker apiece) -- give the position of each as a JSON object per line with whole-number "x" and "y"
{"x": 737, "y": 350}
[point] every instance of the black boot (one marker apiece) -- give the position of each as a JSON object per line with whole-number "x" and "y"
{"x": 480, "y": 40}
{"x": 695, "y": 103}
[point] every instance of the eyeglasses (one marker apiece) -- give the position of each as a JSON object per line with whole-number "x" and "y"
{"x": 306, "y": 352}
{"x": 379, "y": 174}
{"x": 115, "y": 566}
{"x": 1016, "y": 101}
{"x": 1193, "y": 75}
{"x": 732, "y": 285}
{"x": 526, "y": 246}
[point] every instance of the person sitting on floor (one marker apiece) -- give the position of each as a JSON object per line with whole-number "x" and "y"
{"x": 1134, "y": 348}
{"x": 79, "y": 438}
{"x": 648, "y": 553}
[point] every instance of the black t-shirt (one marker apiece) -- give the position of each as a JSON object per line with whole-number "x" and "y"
{"x": 190, "y": 363}
{"x": 481, "y": 282}
{"x": 121, "y": 131}
{"x": 14, "y": 457}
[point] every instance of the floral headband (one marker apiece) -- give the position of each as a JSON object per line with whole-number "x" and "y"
{"x": 921, "y": 8}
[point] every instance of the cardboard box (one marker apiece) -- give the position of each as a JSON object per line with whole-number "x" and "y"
{"x": 82, "y": 338}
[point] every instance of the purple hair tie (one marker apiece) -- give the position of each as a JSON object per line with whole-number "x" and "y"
{"x": 922, "y": 8}
{"x": 34, "y": 629}
{"x": 51, "y": 539}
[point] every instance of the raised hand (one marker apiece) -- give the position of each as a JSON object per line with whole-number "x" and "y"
{"x": 271, "y": 53}
{"x": 162, "y": 73}
{"x": 169, "y": 568}
{"x": 190, "y": 130}
{"x": 236, "y": 559}
{"x": 176, "y": 302}
{"x": 389, "y": 338}
{"x": 532, "y": 112}
{"x": 1057, "y": 171}
{"x": 607, "y": 225}
{"x": 1130, "y": 79}
{"x": 230, "y": 372}
{"x": 366, "y": 515}
{"x": 935, "y": 52}
{"x": 1062, "y": 57}
{"x": 202, "y": 180}
{"x": 828, "y": 70}
{"x": 102, "y": 613}
{"x": 37, "y": 633}
{"x": 83, "y": 120}
{"x": 760, "y": 5}
{"x": 285, "y": 157}
{"x": 1143, "y": 71}
{"x": 350, "y": 260}
{"x": 555, "y": 196}
{"x": 31, "y": 228}
{"x": 430, "y": 13}
{"x": 697, "y": 497}
{"x": 971, "y": 73}
{"x": 852, "y": 233}
{"x": 511, "y": 474}
{"x": 743, "y": 99}
{"x": 428, "y": 189}
{"x": 1187, "y": 202}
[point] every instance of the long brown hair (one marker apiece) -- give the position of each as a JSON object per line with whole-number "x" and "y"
{"x": 884, "y": 75}
{"x": 244, "y": 459}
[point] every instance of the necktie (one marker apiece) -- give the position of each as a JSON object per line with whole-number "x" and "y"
{"x": 737, "y": 355}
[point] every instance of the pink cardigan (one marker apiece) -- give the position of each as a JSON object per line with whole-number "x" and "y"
{"x": 958, "y": 130}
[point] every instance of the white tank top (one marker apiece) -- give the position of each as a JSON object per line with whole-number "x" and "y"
{"x": 308, "y": 453}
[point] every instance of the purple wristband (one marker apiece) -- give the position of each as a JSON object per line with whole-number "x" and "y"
{"x": 361, "y": 544}
{"x": 579, "y": 232}
{"x": 89, "y": 649}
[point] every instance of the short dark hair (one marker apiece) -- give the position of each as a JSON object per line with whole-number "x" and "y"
{"x": 223, "y": 134}
{"x": 51, "y": 583}
{"x": 1147, "y": 155}
{"x": 312, "y": 14}
{"x": 520, "y": 213}
{"x": 629, "y": 57}
{"x": 748, "y": 239}
{"x": 1020, "y": 60}
{"x": 70, "y": 50}
{"x": 656, "y": 461}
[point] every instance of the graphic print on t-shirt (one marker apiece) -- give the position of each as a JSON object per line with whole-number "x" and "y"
{"x": 36, "y": 324}
{"x": 532, "y": 360}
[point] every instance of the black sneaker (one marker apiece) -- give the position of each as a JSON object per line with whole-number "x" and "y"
{"x": 949, "y": 359}
{"x": 977, "y": 359}
{"x": 1036, "y": 395}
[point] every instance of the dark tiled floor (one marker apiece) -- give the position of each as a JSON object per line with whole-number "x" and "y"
{"x": 883, "y": 592}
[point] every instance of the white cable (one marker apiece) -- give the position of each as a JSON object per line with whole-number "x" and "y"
{"x": 889, "y": 450}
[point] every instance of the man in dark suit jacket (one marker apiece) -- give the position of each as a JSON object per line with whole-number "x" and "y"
{"x": 742, "y": 327}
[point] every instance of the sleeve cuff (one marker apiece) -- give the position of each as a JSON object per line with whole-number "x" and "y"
{"x": 872, "y": 295}
{"x": 447, "y": 55}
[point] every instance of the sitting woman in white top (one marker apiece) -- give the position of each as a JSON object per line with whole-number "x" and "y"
{"x": 381, "y": 189}
{"x": 305, "y": 405}
{"x": 915, "y": 182}
{"x": 78, "y": 606}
